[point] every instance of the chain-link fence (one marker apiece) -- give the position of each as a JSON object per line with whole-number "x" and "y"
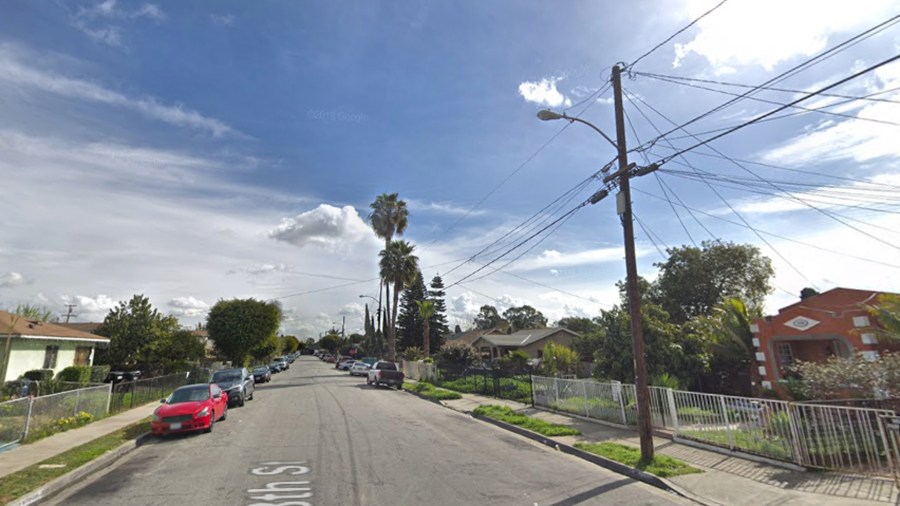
{"x": 56, "y": 412}
{"x": 13, "y": 418}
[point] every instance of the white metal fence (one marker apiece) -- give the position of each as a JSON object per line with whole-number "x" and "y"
{"x": 418, "y": 370}
{"x": 810, "y": 435}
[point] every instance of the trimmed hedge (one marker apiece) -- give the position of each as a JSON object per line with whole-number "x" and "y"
{"x": 42, "y": 375}
{"x": 75, "y": 373}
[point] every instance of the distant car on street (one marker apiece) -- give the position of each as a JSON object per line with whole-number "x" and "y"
{"x": 190, "y": 408}
{"x": 237, "y": 383}
{"x": 274, "y": 368}
{"x": 359, "y": 369}
{"x": 344, "y": 363}
{"x": 262, "y": 374}
{"x": 122, "y": 376}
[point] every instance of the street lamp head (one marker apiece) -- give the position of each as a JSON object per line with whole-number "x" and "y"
{"x": 547, "y": 115}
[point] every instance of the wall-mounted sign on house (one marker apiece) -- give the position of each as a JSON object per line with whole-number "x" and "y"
{"x": 28, "y": 344}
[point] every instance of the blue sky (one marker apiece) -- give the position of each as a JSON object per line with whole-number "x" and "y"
{"x": 193, "y": 151}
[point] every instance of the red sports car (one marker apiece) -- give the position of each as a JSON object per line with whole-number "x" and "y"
{"x": 190, "y": 408}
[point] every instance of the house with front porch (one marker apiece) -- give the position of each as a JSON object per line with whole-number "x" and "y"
{"x": 532, "y": 342}
{"x": 832, "y": 323}
{"x": 29, "y": 344}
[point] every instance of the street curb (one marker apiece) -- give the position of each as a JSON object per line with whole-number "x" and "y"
{"x": 55, "y": 486}
{"x": 604, "y": 462}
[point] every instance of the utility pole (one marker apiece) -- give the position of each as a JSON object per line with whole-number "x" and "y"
{"x": 70, "y": 314}
{"x": 623, "y": 204}
{"x": 343, "y": 322}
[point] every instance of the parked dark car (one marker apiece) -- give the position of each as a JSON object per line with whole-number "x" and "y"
{"x": 262, "y": 374}
{"x": 120, "y": 376}
{"x": 237, "y": 383}
{"x": 274, "y": 368}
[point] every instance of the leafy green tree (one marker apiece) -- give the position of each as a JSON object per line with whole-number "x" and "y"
{"x": 558, "y": 360}
{"x": 578, "y": 324}
{"x": 886, "y": 311}
{"x": 693, "y": 280}
{"x": 514, "y": 362}
{"x": 426, "y": 311}
{"x": 487, "y": 318}
{"x": 523, "y": 318}
{"x": 399, "y": 268}
{"x": 289, "y": 344}
{"x": 137, "y": 334}
{"x": 177, "y": 351}
{"x": 330, "y": 342}
{"x": 241, "y": 327}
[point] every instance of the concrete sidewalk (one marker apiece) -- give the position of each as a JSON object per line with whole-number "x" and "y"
{"x": 725, "y": 479}
{"x": 23, "y": 456}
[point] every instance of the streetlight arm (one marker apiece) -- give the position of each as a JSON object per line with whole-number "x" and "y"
{"x": 547, "y": 115}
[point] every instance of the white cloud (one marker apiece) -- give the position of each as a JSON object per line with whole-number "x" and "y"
{"x": 96, "y": 21}
{"x": 16, "y": 72}
{"x": 730, "y": 37}
{"x": 222, "y": 19}
{"x": 552, "y": 259}
{"x": 329, "y": 226}
{"x": 11, "y": 279}
{"x": 441, "y": 208}
{"x": 266, "y": 268}
{"x": 187, "y": 306}
{"x": 90, "y": 308}
{"x": 544, "y": 92}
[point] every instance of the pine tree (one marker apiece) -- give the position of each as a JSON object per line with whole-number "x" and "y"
{"x": 409, "y": 323}
{"x": 438, "y": 322}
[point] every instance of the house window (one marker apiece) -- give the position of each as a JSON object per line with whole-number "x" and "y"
{"x": 785, "y": 354}
{"x": 50, "y": 355}
{"x": 860, "y": 321}
{"x": 540, "y": 354}
{"x": 83, "y": 355}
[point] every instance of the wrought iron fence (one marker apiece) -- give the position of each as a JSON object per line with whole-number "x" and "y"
{"x": 510, "y": 385}
{"x": 810, "y": 435}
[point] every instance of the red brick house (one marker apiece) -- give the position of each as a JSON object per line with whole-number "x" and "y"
{"x": 833, "y": 323}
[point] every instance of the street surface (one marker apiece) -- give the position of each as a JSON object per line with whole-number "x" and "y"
{"x": 317, "y": 436}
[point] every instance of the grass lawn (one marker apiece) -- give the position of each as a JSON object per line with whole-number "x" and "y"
{"x": 429, "y": 391}
{"x": 22, "y": 482}
{"x": 506, "y": 414}
{"x": 662, "y": 465}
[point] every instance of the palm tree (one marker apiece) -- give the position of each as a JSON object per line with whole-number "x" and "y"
{"x": 389, "y": 216}
{"x": 400, "y": 268}
{"x": 426, "y": 311}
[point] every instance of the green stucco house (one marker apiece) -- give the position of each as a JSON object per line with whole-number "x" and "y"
{"x": 27, "y": 344}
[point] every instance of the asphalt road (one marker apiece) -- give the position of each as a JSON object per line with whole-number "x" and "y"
{"x": 317, "y": 436}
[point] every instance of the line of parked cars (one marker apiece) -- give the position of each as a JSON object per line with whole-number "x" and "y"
{"x": 199, "y": 406}
{"x": 377, "y": 373}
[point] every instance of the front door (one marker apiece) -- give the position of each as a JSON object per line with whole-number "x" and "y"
{"x": 83, "y": 355}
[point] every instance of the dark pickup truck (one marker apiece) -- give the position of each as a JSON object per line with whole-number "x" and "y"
{"x": 385, "y": 373}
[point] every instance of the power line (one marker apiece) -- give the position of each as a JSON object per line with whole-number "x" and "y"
{"x": 850, "y": 98}
{"x": 778, "y": 236}
{"x": 778, "y": 109}
{"x": 822, "y": 56}
{"x": 819, "y": 110}
{"x": 650, "y": 236}
{"x": 739, "y": 216}
{"x": 668, "y": 39}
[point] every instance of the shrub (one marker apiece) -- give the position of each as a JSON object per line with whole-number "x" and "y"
{"x": 428, "y": 360}
{"x": 412, "y": 353}
{"x": 455, "y": 353}
{"x": 516, "y": 361}
{"x": 99, "y": 373}
{"x": 42, "y": 375}
{"x": 75, "y": 373}
{"x": 61, "y": 425}
{"x": 559, "y": 359}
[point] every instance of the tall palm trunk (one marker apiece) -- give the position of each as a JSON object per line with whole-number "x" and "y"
{"x": 426, "y": 339}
